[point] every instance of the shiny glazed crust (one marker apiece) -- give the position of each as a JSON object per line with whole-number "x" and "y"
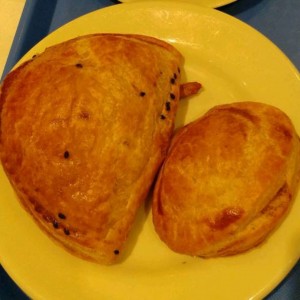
{"x": 228, "y": 180}
{"x": 84, "y": 128}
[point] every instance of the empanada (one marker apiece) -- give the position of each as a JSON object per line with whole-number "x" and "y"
{"x": 84, "y": 128}
{"x": 228, "y": 180}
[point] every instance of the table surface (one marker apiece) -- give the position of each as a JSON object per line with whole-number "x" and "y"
{"x": 279, "y": 20}
{"x": 10, "y": 14}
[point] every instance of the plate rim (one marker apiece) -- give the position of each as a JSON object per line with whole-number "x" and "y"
{"x": 215, "y": 4}
{"x": 110, "y": 8}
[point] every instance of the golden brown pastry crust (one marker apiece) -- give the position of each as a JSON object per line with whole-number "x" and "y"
{"x": 84, "y": 128}
{"x": 228, "y": 180}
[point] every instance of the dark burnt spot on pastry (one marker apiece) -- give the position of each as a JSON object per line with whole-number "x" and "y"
{"x": 62, "y": 216}
{"x": 226, "y": 217}
{"x": 116, "y": 252}
{"x": 66, "y": 154}
{"x": 84, "y": 115}
{"x": 31, "y": 199}
{"x": 243, "y": 113}
{"x": 55, "y": 224}
{"x": 38, "y": 208}
{"x": 286, "y": 132}
{"x": 162, "y": 117}
{"x": 142, "y": 94}
{"x": 34, "y": 56}
{"x": 175, "y": 76}
{"x": 284, "y": 136}
{"x": 66, "y": 231}
{"x": 168, "y": 106}
{"x": 178, "y": 70}
{"x": 79, "y": 65}
{"x": 172, "y": 96}
{"x": 285, "y": 192}
{"x": 172, "y": 80}
{"x": 282, "y": 132}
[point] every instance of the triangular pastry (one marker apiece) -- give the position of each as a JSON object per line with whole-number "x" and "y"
{"x": 84, "y": 128}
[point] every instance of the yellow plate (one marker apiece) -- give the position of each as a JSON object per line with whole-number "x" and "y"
{"x": 206, "y": 3}
{"x": 234, "y": 63}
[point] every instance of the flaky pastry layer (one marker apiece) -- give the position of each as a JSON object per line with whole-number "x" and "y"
{"x": 228, "y": 180}
{"x": 84, "y": 128}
